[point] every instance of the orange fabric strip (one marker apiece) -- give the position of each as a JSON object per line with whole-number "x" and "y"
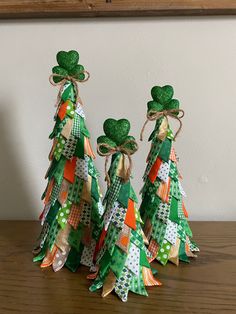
{"x": 75, "y": 213}
{"x": 130, "y": 215}
{"x": 49, "y": 258}
{"x": 164, "y": 191}
{"x": 88, "y": 148}
{"x": 153, "y": 249}
{"x": 69, "y": 171}
{"x": 62, "y": 111}
{"x": 148, "y": 278}
{"x": 173, "y": 155}
{"x": 100, "y": 243}
{"x": 154, "y": 170}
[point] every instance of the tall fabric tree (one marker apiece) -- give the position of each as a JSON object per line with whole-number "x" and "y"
{"x": 71, "y": 219}
{"x": 162, "y": 208}
{"x": 121, "y": 255}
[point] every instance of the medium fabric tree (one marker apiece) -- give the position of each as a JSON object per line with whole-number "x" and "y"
{"x": 71, "y": 219}
{"x": 121, "y": 255}
{"x": 162, "y": 208}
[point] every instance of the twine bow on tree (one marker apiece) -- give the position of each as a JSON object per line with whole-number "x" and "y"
{"x": 112, "y": 150}
{"x": 153, "y": 115}
{"x": 64, "y": 79}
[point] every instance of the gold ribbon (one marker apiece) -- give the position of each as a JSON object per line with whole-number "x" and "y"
{"x": 74, "y": 81}
{"x": 112, "y": 150}
{"x": 153, "y": 115}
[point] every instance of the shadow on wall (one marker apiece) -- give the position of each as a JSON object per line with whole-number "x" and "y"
{"x": 15, "y": 197}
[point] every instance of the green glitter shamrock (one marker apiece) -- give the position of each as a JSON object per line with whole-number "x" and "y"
{"x": 68, "y": 66}
{"x": 116, "y": 135}
{"x": 162, "y": 99}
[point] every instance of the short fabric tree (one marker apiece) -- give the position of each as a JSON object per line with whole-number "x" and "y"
{"x": 121, "y": 255}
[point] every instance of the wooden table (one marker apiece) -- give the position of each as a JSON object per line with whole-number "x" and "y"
{"x": 206, "y": 285}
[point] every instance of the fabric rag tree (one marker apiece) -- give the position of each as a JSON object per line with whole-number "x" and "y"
{"x": 121, "y": 255}
{"x": 162, "y": 208}
{"x": 72, "y": 216}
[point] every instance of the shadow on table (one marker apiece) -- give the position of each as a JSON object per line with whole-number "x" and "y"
{"x": 16, "y": 199}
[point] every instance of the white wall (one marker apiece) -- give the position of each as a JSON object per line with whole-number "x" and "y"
{"x": 125, "y": 57}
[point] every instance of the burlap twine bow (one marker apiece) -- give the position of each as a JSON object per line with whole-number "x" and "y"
{"x": 153, "y": 115}
{"x": 73, "y": 79}
{"x": 112, "y": 150}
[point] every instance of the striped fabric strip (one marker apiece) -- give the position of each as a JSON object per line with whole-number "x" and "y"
{"x": 164, "y": 190}
{"x": 49, "y": 258}
{"x": 149, "y": 279}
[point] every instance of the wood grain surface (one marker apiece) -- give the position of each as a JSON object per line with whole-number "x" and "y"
{"x": 206, "y": 285}
{"x": 96, "y": 8}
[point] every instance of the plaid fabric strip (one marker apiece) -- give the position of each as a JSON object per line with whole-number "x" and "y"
{"x": 114, "y": 167}
{"x": 153, "y": 249}
{"x": 76, "y": 126}
{"x": 55, "y": 193}
{"x": 54, "y": 229}
{"x": 74, "y": 217}
{"x": 180, "y": 209}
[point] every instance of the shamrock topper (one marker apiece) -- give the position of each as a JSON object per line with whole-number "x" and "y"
{"x": 68, "y": 66}
{"x": 116, "y": 139}
{"x": 162, "y": 99}
{"x": 68, "y": 70}
{"x": 163, "y": 105}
